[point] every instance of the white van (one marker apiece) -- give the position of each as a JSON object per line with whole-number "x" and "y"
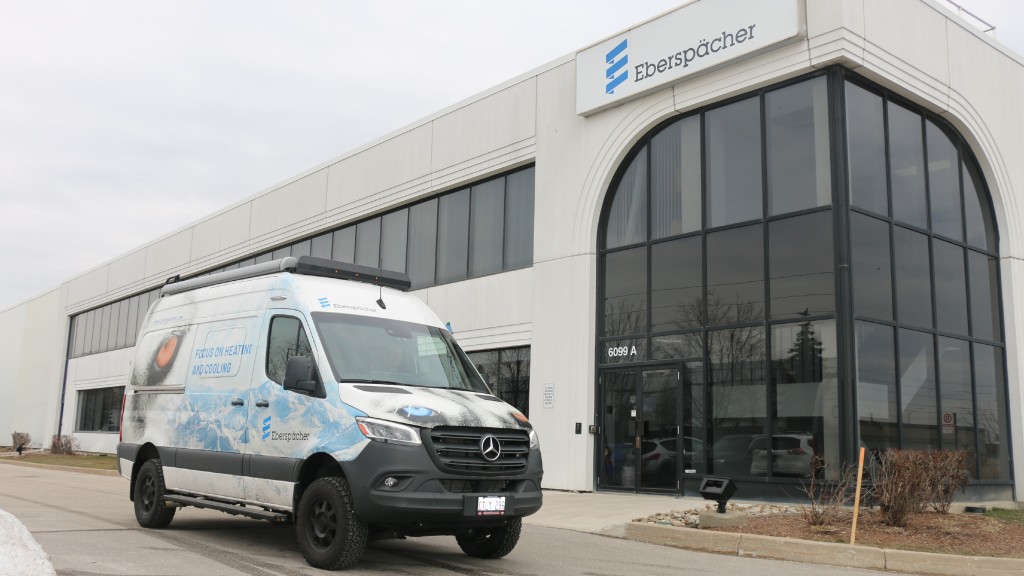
{"x": 310, "y": 391}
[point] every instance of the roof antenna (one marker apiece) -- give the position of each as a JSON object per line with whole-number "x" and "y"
{"x": 380, "y": 300}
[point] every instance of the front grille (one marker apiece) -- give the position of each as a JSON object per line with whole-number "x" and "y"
{"x": 473, "y": 486}
{"x": 458, "y": 450}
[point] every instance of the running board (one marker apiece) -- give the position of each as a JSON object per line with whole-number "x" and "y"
{"x": 236, "y": 509}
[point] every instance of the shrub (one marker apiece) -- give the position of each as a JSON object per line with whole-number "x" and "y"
{"x": 20, "y": 439}
{"x": 827, "y": 498}
{"x": 66, "y": 444}
{"x": 902, "y": 485}
{"x": 947, "y": 475}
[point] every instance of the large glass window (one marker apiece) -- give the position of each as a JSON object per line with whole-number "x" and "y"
{"x": 944, "y": 183}
{"x": 99, "y": 410}
{"x": 345, "y": 245}
{"x": 627, "y": 219}
{"x": 519, "y": 193}
{"x": 737, "y": 392}
{"x": 984, "y": 273}
{"x": 735, "y": 261}
{"x": 394, "y": 228}
{"x": 993, "y": 436}
{"x": 675, "y": 179}
{"x": 956, "y": 397}
{"x": 625, "y": 292}
{"x": 453, "y": 236}
{"x": 368, "y": 243}
{"x": 865, "y": 139}
{"x": 917, "y": 390}
{"x": 422, "y": 243}
{"x": 906, "y": 166}
{"x": 913, "y": 278}
{"x": 677, "y": 286}
{"x": 877, "y": 405}
{"x": 801, "y": 272}
{"x": 950, "y": 288}
{"x": 507, "y": 373}
{"x": 871, "y": 275}
{"x": 798, "y": 147}
{"x": 732, "y": 142}
{"x": 486, "y": 227}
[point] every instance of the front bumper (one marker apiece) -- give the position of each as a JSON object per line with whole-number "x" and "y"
{"x": 426, "y": 500}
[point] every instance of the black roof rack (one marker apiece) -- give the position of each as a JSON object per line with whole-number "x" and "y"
{"x": 307, "y": 265}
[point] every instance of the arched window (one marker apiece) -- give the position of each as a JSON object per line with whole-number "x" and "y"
{"x": 720, "y": 252}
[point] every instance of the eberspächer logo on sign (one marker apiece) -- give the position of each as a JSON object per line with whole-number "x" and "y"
{"x": 617, "y": 72}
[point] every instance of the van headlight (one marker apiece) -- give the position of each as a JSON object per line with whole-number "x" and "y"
{"x": 534, "y": 440}
{"x": 390, "y": 432}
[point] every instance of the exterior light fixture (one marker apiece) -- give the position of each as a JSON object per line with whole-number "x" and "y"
{"x": 718, "y": 489}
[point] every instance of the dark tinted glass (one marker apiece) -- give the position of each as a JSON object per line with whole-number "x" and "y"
{"x": 627, "y": 218}
{"x": 344, "y": 245}
{"x": 877, "y": 408}
{"x": 913, "y": 278}
{"x": 732, "y": 143}
{"x": 487, "y": 227}
{"x": 486, "y": 364}
{"x": 677, "y": 284}
{"x": 99, "y": 410}
{"x": 865, "y": 141}
{"x": 798, "y": 147}
{"x": 121, "y": 330}
{"x": 287, "y": 339}
{"x": 625, "y": 292}
{"x": 302, "y": 248}
{"x": 133, "y": 320}
{"x": 944, "y": 183}
{"x": 368, "y": 243}
{"x": 282, "y": 252}
{"x": 265, "y": 257}
{"x": 800, "y": 266}
{"x": 393, "y": 236}
{"x": 452, "y": 236}
{"x": 735, "y": 275}
{"x": 422, "y": 243}
{"x": 104, "y": 343}
{"x": 981, "y": 227}
{"x": 519, "y": 192}
{"x": 92, "y": 331}
{"x": 990, "y": 388}
{"x": 955, "y": 397}
{"x": 321, "y": 246}
{"x": 738, "y": 402}
{"x": 950, "y": 288}
{"x": 985, "y": 319}
{"x": 917, "y": 391}
{"x": 514, "y": 378}
{"x": 804, "y": 370}
{"x": 906, "y": 166}
{"x": 77, "y": 335}
{"x": 872, "y": 267}
{"x": 675, "y": 179}
{"x": 677, "y": 346}
{"x": 144, "y": 302}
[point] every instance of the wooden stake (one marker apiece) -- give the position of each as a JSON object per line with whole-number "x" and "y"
{"x": 856, "y": 498}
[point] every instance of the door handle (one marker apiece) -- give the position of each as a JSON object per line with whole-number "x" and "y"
{"x": 237, "y": 402}
{"x": 263, "y": 404}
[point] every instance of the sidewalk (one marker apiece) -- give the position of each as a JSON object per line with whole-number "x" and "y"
{"x": 612, "y": 514}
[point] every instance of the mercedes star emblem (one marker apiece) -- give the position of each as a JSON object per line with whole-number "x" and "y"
{"x": 490, "y": 448}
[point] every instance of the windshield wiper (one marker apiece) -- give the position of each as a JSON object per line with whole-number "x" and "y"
{"x": 372, "y": 381}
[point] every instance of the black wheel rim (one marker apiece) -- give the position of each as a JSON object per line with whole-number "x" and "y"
{"x": 322, "y": 524}
{"x": 148, "y": 493}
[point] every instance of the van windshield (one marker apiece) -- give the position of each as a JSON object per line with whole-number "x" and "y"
{"x": 384, "y": 351}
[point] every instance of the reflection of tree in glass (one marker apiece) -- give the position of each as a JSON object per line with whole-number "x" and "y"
{"x": 625, "y": 316}
{"x": 804, "y": 363}
{"x": 514, "y": 378}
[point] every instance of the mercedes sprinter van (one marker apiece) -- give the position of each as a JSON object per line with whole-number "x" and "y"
{"x": 318, "y": 393}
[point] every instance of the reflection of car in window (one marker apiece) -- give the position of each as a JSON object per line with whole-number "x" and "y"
{"x": 791, "y": 455}
{"x": 659, "y": 456}
{"x": 730, "y": 455}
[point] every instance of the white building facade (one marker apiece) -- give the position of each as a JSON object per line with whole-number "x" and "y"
{"x": 742, "y": 228}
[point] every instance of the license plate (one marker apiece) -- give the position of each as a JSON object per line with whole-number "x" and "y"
{"x": 490, "y": 506}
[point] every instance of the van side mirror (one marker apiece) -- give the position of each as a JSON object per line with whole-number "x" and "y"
{"x": 300, "y": 375}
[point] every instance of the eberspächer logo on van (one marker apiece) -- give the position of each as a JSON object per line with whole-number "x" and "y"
{"x": 266, "y": 427}
{"x": 324, "y": 303}
{"x": 617, "y": 72}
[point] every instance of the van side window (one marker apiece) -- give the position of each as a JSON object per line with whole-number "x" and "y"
{"x": 287, "y": 339}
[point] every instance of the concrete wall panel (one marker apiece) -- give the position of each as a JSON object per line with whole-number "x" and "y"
{"x": 224, "y": 234}
{"x": 290, "y": 205}
{"x": 170, "y": 255}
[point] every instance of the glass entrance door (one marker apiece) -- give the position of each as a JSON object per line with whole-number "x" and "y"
{"x": 640, "y": 442}
{"x": 652, "y": 428}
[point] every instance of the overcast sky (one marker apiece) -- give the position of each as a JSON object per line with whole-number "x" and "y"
{"x": 122, "y": 121}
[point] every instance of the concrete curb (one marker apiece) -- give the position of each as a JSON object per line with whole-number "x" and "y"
{"x": 821, "y": 552}
{"x": 59, "y": 467}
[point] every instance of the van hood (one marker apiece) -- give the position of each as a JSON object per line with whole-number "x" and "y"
{"x": 431, "y": 407}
